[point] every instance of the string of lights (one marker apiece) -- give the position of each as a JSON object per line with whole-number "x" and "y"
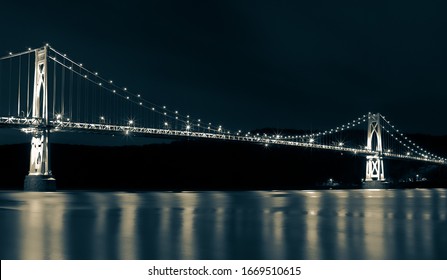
{"x": 125, "y": 93}
{"x": 189, "y": 126}
{"x": 314, "y": 136}
{"x": 13, "y": 55}
{"x": 410, "y": 145}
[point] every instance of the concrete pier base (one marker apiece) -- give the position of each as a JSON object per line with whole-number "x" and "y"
{"x": 375, "y": 185}
{"x": 39, "y": 183}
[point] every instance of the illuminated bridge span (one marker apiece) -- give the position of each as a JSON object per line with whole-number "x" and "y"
{"x": 42, "y": 91}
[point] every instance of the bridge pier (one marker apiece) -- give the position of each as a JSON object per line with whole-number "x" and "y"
{"x": 40, "y": 183}
{"x": 40, "y": 177}
{"x": 374, "y": 168}
{"x": 374, "y": 163}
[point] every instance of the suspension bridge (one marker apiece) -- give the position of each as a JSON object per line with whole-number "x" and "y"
{"x": 43, "y": 91}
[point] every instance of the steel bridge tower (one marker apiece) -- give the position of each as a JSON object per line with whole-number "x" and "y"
{"x": 39, "y": 177}
{"x": 374, "y": 163}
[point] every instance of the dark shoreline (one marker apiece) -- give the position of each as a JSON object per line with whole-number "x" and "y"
{"x": 209, "y": 165}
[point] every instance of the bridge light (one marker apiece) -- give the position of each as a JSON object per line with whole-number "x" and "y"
{"x": 80, "y": 64}
{"x": 176, "y": 112}
{"x": 96, "y": 73}
{"x": 127, "y": 97}
{"x": 125, "y": 89}
{"x": 340, "y": 144}
{"x": 102, "y": 118}
{"x": 111, "y": 81}
{"x": 138, "y": 96}
{"x": 100, "y": 84}
{"x": 65, "y": 55}
{"x": 85, "y": 76}
{"x": 166, "y": 124}
{"x": 29, "y": 49}
{"x": 130, "y": 122}
{"x": 10, "y": 53}
{"x": 311, "y": 140}
{"x": 114, "y": 91}
{"x": 164, "y": 107}
{"x": 153, "y": 109}
{"x": 141, "y": 103}
{"x": 188, "y": 127}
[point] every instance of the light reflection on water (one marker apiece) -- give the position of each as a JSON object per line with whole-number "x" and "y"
{"x": 335, "y": 224}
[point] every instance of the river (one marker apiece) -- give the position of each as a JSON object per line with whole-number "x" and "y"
{"x": 327, "y": 224}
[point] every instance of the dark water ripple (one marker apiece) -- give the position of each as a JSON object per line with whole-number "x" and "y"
{"x": 335, "y": 224}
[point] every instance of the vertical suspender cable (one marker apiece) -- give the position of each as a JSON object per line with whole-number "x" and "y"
{"x": 54, "y": 88}
{"x": 27, "y": 88}
{"x": 18, "y": 91}
{"x": 93, "y": 104}
{"x": 63, "y": 90}
{"x": 85, "y": 105}
{"x": 93, "y": 109}
{"x": 70, "y": 92}
{"x": 78, "y": 93}
{"x": 9, "y": 88}
{"x": 1, "y": 66}
{"x": 100, "y": 106}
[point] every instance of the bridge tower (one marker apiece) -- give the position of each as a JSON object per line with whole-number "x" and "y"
{"x": 39, "y": 177}
{"x": 374, "y": 163}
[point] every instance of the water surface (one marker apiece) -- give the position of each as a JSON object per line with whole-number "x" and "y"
{"x": 329, "y": 224}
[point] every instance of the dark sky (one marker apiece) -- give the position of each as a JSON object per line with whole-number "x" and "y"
{"x": 254, "y": 64}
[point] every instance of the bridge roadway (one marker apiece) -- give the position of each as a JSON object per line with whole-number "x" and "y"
{"x": 29, "y": 125}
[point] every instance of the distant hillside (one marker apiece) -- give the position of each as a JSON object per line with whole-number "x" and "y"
{"x": 200, "y": 164}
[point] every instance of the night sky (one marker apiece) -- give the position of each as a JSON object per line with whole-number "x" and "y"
{"x": 256, "y": 64}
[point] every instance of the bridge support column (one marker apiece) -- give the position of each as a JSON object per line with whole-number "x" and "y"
{"x": 40, "y": 177}
{"x": 374, "y": 163}
{"x": 374, "y": 168}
